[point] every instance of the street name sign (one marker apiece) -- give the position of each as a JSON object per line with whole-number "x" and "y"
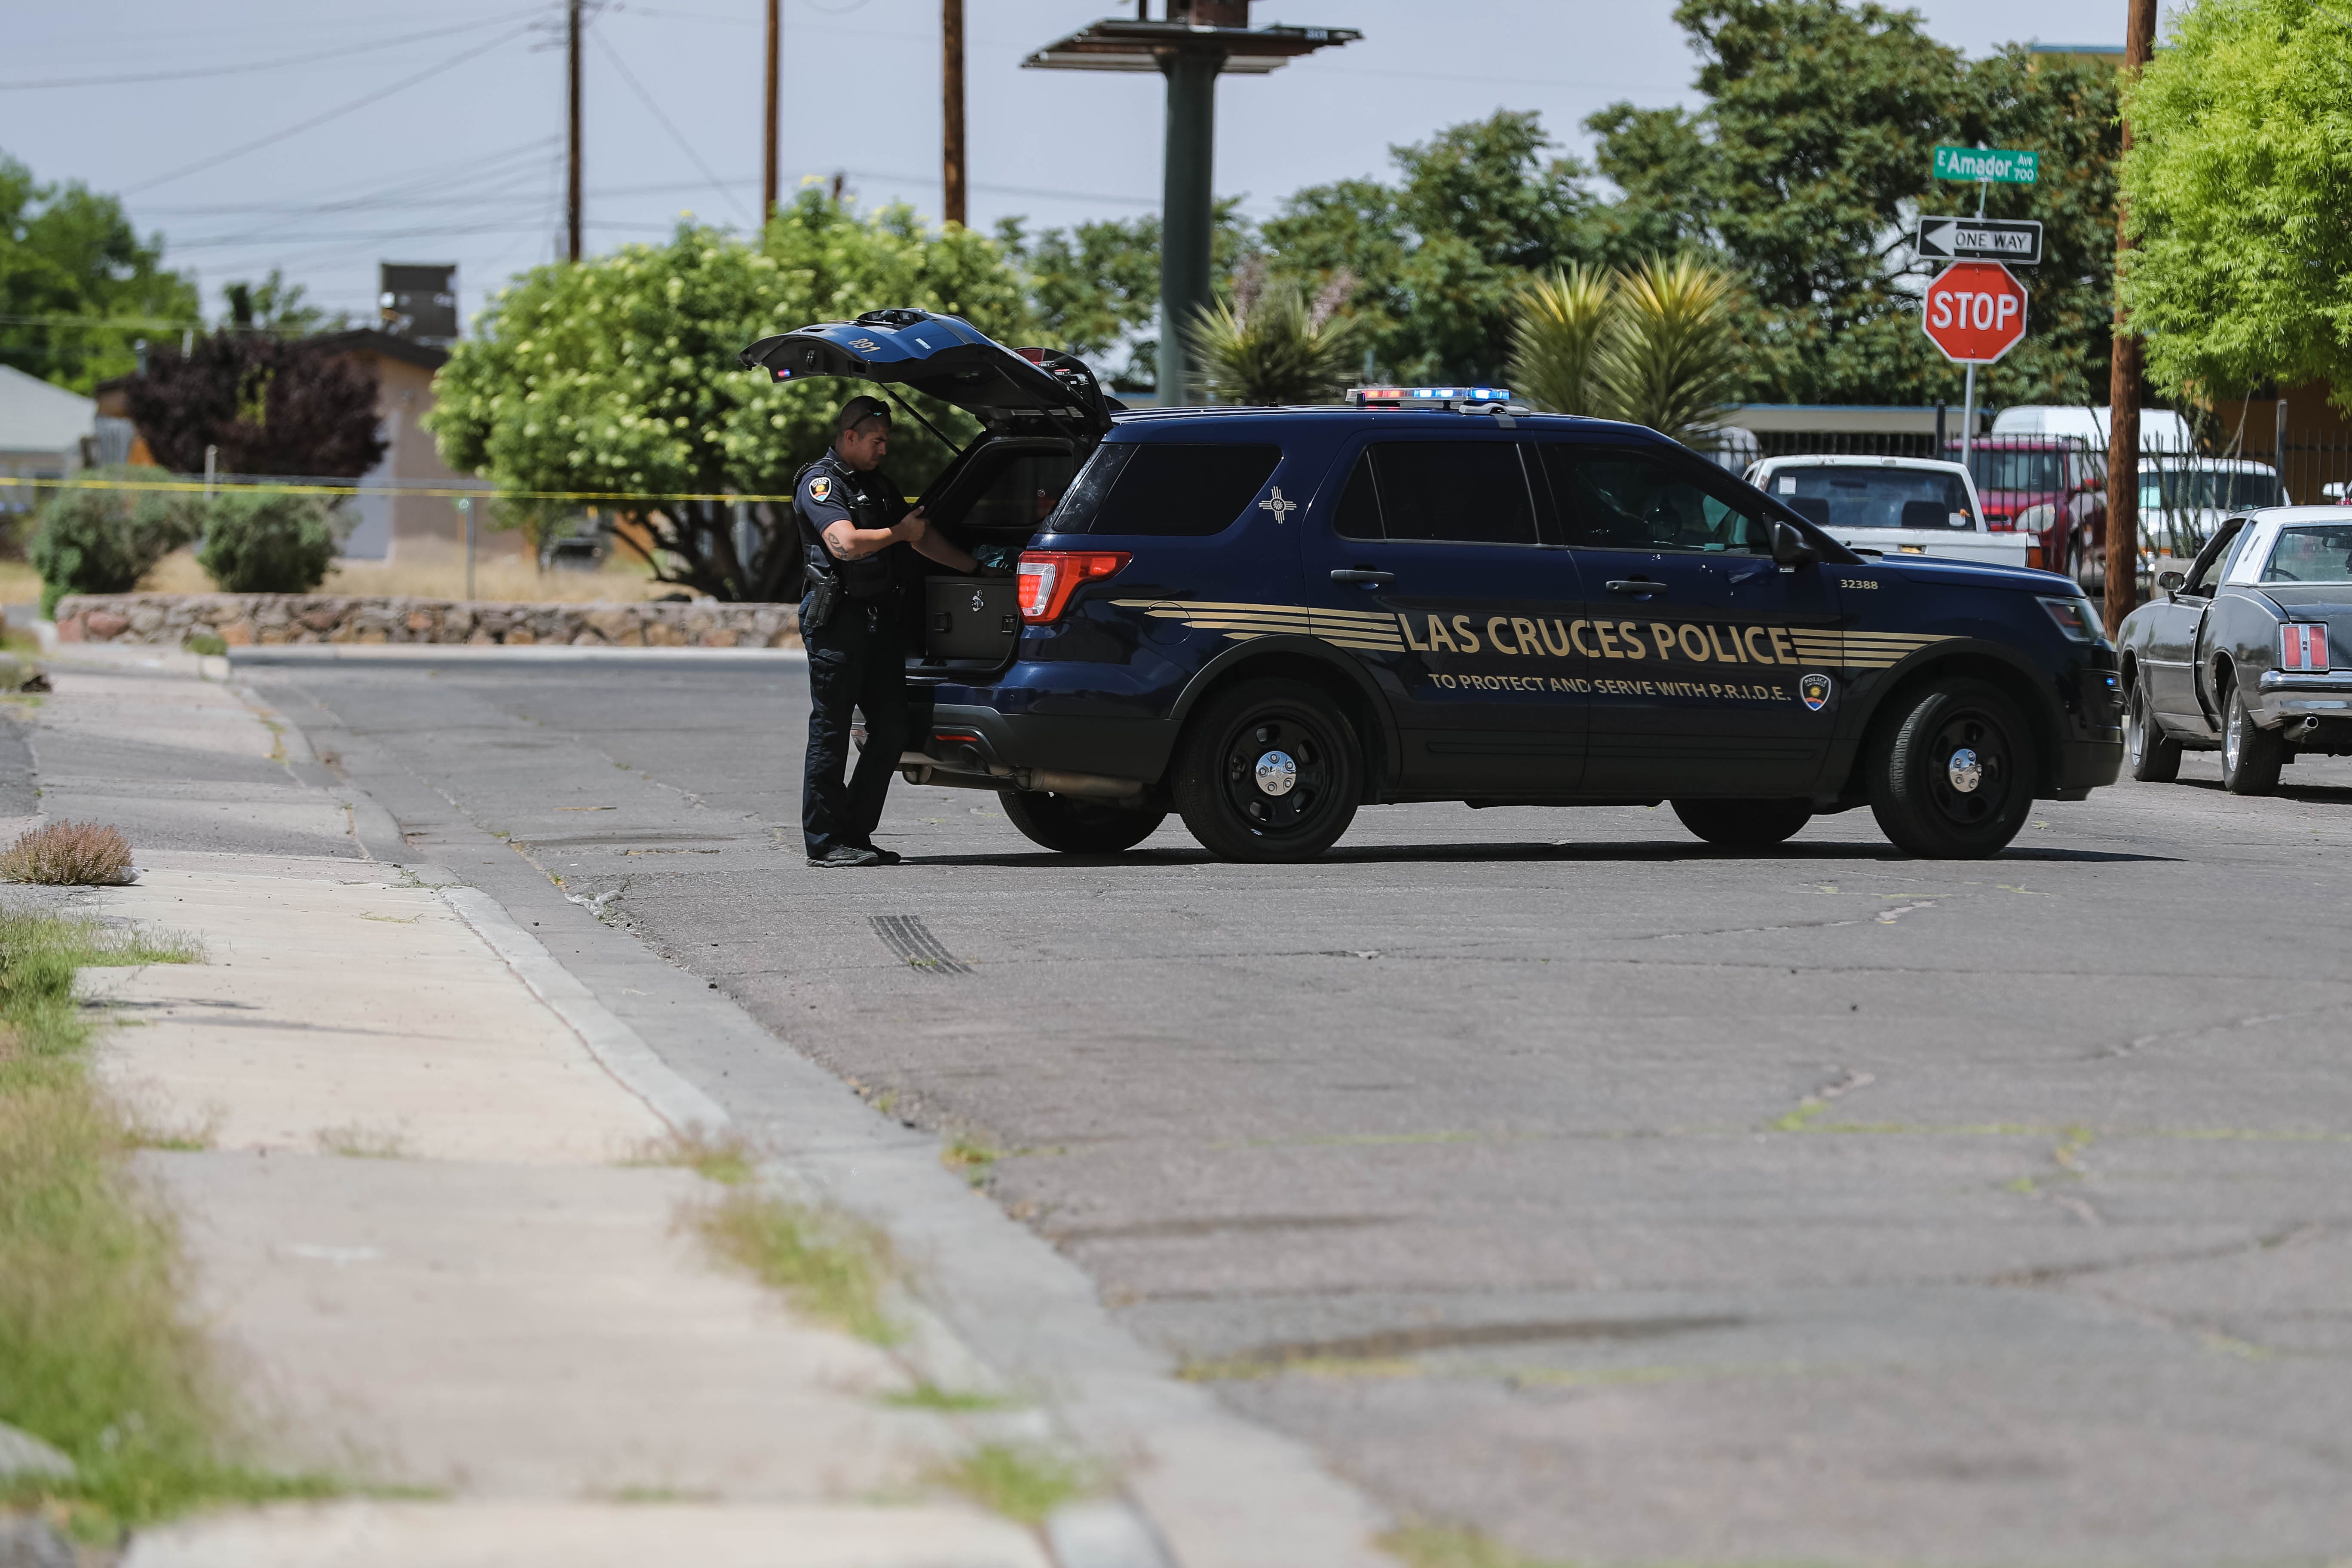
{"x": 1999, "y": 164}
{"x": 2017, "y": 241}
{"x": 1975, "y": 312}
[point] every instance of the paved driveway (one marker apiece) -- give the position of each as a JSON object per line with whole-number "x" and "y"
{"x": 1552, "y": 1173}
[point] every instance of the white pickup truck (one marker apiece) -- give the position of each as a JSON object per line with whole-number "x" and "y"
{"x": 1892, "y": 506}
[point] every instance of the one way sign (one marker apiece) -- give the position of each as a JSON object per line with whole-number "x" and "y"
{"x": 2014, "y": 241}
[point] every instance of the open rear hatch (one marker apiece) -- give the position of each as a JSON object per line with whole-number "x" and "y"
{"x": 1041, "y": 413}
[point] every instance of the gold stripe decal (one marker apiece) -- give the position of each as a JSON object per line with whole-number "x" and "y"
{"x": 1657, "y": 642}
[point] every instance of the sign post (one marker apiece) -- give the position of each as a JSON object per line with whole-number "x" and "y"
{"x": 1987, "y": 167}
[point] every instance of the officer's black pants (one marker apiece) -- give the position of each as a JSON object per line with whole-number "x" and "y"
{"x": 857, "y": 660}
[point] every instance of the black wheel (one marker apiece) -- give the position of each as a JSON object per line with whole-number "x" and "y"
{"x": 1951, "y": 771}
{"x": 1744, "y": 824}
{"x": 2150, "y": 755}
{"x": 1267, "y": 772}
{"x": 1076, "y": 826}
{"x": 2251, "y": 754}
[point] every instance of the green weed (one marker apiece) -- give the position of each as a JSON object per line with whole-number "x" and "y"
{"x": 720, "y": 1156}
{"x": 1021, "y": 1481}
{"x": 976, "y": 1159}
{"x": 832, "y": 1267}
{"x": 931, "y": 1396}
{"x": 96, "y": 1356}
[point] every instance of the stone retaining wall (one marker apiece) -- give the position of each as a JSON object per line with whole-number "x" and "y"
{"x": 242, "y": 620}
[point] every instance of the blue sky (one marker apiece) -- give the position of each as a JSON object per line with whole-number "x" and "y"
{"x": 433, "y": 133}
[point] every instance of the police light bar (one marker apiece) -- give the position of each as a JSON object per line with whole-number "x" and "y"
{"x": 1425, "y": 396}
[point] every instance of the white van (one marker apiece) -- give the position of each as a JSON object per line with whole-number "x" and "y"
{"x": 2160, "y": 429}
{"x": 1892, "y": 506}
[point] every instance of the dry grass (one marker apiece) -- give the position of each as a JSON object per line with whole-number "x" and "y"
{"x": 19, "y": 583}
{"x": 428, "y": 572}
{"x": 354, "y": 1141}
{"x": 68, "y": 854}
{"x": 1447, "y": 1546}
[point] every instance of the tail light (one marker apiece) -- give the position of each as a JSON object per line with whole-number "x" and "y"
{"x": 2034, "y": 555}
{"x": 2303, "y": 646}
{"x": 1048, "y": 577}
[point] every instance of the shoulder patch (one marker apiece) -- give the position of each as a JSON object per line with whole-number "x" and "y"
{"x": 820, "y": 488}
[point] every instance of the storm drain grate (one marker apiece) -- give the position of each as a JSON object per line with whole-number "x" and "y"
{"x": 911, "y": 940}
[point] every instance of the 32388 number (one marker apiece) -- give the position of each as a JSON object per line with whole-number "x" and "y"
{"x": 1857, "y": 581}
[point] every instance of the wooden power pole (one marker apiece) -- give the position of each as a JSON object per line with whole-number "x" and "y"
{"x": 571, "y": 187}
{"x": 767, "y": 147}
{"x": 951, "y": 107}
{"x": 2124, "y": 375}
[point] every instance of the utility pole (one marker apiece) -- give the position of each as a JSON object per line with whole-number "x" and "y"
{"x": 572, "y": 191}
{"x": 950, "y": 107}
{"x": 2123, "y": 373}
{"x": 768, "y": 147}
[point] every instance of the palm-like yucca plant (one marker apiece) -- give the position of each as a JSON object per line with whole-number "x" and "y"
{"x": 1562, "y": 319}
{"x": 1269, "y": 345}
{"x": 1672, "y": 357}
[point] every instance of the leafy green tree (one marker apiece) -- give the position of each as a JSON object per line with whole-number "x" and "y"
{"x": 2242, "y": 154}
{"x": 1809, "y": 161}
{"x": 70, "y": 259}
{"x": 1657, "y": 344}
{"x": 1439, "y": 257}
{"x": 618, "y": 374}
{"x": 274, "y": 305}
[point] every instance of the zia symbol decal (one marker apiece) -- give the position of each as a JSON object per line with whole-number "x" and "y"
{"x": 1280, "y": 508}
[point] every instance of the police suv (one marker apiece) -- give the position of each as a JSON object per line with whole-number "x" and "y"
{"x": 1264, "y": 618}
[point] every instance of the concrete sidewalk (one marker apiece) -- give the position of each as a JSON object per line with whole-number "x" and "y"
{"x": 419, "y": 1221}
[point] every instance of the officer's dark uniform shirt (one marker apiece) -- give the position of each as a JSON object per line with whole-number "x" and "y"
{"x": 831, "y": 491}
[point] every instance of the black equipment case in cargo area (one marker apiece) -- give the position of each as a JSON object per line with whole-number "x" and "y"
{"x": 970, "y": 617}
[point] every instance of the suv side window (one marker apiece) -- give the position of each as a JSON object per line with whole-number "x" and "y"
{"x": 1170, "y": 489}
{"x": 1457, "y": 492}
{"x": 1619, "y": 498}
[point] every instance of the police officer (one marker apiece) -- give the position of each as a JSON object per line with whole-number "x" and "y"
{"x": 853, "y": 523}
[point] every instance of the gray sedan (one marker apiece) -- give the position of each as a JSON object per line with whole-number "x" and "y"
{"x": 2238, "y": 654}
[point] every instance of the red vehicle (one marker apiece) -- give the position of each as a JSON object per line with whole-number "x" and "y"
{"x": 2049, "y": 486}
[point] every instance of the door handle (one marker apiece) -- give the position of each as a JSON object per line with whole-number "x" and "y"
{"x": 1635, "y": 585}
{"x": 1363, "y": 576}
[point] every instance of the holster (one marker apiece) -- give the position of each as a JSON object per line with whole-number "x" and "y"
{"x": 824, "y": 595}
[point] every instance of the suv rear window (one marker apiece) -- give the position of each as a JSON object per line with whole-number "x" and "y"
{"x": 1164, "y": 488}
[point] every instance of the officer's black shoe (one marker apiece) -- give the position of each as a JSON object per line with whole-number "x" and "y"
{"x": 849, "y": 854}
{"x": 882, "y": 857}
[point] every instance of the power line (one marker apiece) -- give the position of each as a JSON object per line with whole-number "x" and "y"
{"x": 335, "y": 113}
{"x": 647, "y": 99}
{"x": 191, "y": 73}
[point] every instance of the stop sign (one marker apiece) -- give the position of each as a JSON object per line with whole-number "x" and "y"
{"x": 1975, "y": 312}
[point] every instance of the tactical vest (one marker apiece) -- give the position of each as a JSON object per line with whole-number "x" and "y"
{"x": 865, "y": 579}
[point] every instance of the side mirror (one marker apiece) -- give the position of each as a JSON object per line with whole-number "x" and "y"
{"x": 2171, "y": 583}
{"x": 1789, "y": 545}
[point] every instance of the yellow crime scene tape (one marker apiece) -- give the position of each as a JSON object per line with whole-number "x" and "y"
{"x": 453, "y": 492}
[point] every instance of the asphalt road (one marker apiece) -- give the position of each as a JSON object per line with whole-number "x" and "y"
{"x": 1550, "y": 1171}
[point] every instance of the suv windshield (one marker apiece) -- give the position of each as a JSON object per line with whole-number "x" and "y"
{"x": 1836, "y": 496}
{"x": 2320, "y": 553}
{"x": 2209, "y": 489}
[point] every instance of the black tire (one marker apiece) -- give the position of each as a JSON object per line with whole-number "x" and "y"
{"x": 1930, "y": 800}
{"x": 1076, "y": 826}
{"x": 2251, "y": 755}
{"x": 1744, "y": 824}
{"x": 1225, "y": 752}
{"x": 2150, "y": 755}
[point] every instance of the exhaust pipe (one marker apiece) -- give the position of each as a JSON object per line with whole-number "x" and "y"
{"x": 921, "y": 768}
